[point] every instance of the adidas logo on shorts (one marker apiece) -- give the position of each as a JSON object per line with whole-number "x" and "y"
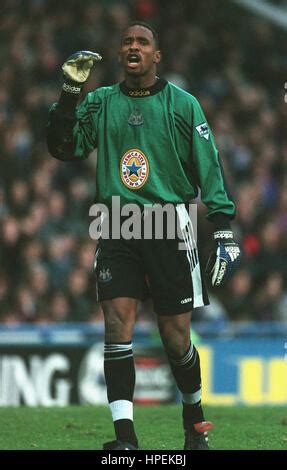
{"x": 185, "y": 301}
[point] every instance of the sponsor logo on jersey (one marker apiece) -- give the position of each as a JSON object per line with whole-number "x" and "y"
{"x": 203, "y": 130}
{"x": 134, "y": 169}
{"x": 136, "y": 118}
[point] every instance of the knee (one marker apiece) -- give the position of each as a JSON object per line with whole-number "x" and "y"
{"x": 119, "y": 321}
{"x": 176, "y": 347}
{"x": 176, "y": 341}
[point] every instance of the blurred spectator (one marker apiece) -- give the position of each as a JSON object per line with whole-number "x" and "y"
{"x": 77, "y": 294}
{"x": 38, "y": 281}
{"x": 26, "y": 303}
{"x": 238, "y": 75}
{"x": 270, "y": 258}
{"x": 86, "y": 255}
{"x": 4, "y": 290}
{"x": 3, "y": 204}
{"x": 60, "y": 260}
{"x": 11, "y": 242}
{"x": 268, "y": 300}
{"x": 20, "y": 198}
{"x": 239, "y": 300}
{"x": 35, "y": 220}
{"x": 59, "y": 308}
{"x": 33, "y": 252}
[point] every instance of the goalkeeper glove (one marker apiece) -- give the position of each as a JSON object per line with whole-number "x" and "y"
{"x": 77, "y": 70}
{"x": 223, "y": 262}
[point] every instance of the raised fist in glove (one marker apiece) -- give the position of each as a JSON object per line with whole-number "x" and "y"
{"x": 77, "y": 70}
{"x": 224, "y": 260}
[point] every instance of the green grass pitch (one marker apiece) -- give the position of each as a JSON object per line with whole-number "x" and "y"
{"x": 158, "y": 428}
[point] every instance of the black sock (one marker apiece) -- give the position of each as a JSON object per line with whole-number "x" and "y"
{"x": 186, "y": 371}
{"x": 191, "y": 414}
{"x": 120, "y": 379}
{"x": 125, "y": 432}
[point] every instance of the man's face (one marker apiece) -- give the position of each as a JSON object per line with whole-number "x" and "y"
{"x": 138, "y": 53}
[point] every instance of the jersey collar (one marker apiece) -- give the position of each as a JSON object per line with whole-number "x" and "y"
{"x": 143, "y": 92}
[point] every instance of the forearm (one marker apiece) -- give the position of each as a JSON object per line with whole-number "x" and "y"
{"x": 62, "y": 119}
{"x": 214, "y": 190}
{"x": 221, "y": 221}
{"x": 65, "y": 139}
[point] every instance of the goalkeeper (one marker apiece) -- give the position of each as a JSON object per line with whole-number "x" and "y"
{"x": 154, "y": 146}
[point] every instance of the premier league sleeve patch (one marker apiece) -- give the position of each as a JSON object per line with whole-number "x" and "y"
{"x": 203, "y": 130}
{"x": 134, "y": 169}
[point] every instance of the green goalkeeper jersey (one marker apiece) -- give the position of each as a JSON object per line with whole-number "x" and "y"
{"x": 153, "y": 146}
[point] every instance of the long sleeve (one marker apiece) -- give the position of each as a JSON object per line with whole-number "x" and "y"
{"x": 71, "y": 130}
{"x": 210, "y": 177}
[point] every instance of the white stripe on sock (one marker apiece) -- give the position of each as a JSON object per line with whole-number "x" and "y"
{"x": 184, "y": 360}
{"x": 118, "y": 346}
{"x": 113, "y": 350}
{"x": 118, "y": 358}
{"x": 191, "y": 398}
{"x": 121, "y": 409}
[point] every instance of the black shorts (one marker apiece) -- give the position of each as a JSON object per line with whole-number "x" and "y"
{"x": 156, "y": 268}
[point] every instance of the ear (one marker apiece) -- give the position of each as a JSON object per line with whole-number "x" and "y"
{"x": 157, "y": 57}
{"x": 119, "y": 57}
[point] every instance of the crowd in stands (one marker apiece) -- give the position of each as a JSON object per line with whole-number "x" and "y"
{"x": 232, "y": 61}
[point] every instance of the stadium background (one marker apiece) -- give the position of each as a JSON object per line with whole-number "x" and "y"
{"x": 51, "y": 331}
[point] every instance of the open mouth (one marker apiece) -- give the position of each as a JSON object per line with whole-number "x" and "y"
{"x": 133, "y": 60}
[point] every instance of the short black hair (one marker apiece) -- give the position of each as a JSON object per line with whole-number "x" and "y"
{"x": 145, "y": 25}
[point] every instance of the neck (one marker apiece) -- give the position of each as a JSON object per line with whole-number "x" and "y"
{"x": 140, "y": 82}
